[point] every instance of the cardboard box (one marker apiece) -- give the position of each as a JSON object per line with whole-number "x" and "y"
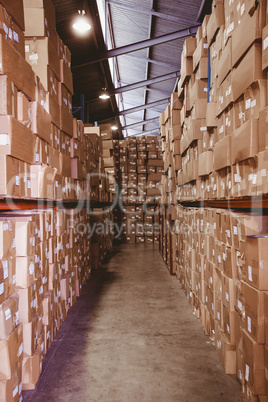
{"x": 216, "y": 20}
{"x": 8, "y": 317}
{"x": 16, "y": 139}
{"x": 205, "y": 163}
{"x": 222, "y": 153}
{"x": 8, "y": 97}
{"x": 263, "y": 130}
{"x": 10, "y": 354}
{"x": 52, "y": 99}
{"x": 247, "y": 71}
{"x": 31, "y": 370}
{"x": 253, "y": 364}
{"x": 254, "y": 308}
{"x": 16, "y": 11}
{"x": 256, "y": 261}
{"x": 201, "y": 51}
{"x": 41, "y": 53}
{"x": 42, "y": 181}
{"x": 245, "y": 141}
{"x": 246, "y": 33}
{"x": 40, "y": 20}
{"x": 10, "y": 182}
{"x": 66, "y": 116}
{"x": 66, "y": 76}
{"x": 225, "y": 62}
{"x": 40, "y": 121}
{"x": 16, "y": 68}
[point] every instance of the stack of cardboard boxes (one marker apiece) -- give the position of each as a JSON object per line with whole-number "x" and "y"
{"x": 46, "y": 258}
{"x": 219, "y": 256}
{"x": 141, "y": 167}
{"x": 220, "y": 261}
{"x": 223, "y": 128}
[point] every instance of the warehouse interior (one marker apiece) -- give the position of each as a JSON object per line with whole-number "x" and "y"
{"x": 133, "y": 200}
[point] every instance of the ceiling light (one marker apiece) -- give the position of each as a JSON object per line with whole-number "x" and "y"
{"x": 81, "y": 23}
{"x": 104, "y": 94}
{"x": 114, "y": 127}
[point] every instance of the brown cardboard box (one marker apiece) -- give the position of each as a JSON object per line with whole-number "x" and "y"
{"x": 8, "y": 316}
{"x": 16, "y": 68}
{"x": 222, "y": 153}
{"x": 216, "y": 20}
{"x": 247, "y": 71}
{"x": 40, "y": 121}
{"x": 42, "y": 181}
{"x": 211, "y": 120}
{"x": 41, "y": 53}
{"x": 30, "y": 337}
{"x": 253, "y": 364}
{"x": 205, "y": 163}
{"x": 66, "y": 76}
{"x": 10, "y": 354}
{"x": 264, "y": 48}
{"x": 16, "y": 11}
{"x": 201, "y": 51}
{"x": 256, "y": 261}
{"x": 263, "y": 130}
{"x": 245, "y": 141}
{"x": 189, "y": 47}
{"x": 247, "y": 32}
{"x": 31, "y": 370}
{"x": 16, "y": 139}
{"x": 10, "y": 183}
{"x": 8, "y": 97}
{"x": 254, "y": 308}
{"x": 66, "y": 116}
{"x": 225, "y": 62}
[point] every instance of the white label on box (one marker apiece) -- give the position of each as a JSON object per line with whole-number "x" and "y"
{"x": 37, "y": 158}
{"x": 203, "y": 129}
{"x": 14, "y": 279}
{"x": 265, "y": 43}
{"x": 212, "y": 306}
{"x": 47, "y": 160}
{"x": 205, "y": 45}
{"x": 227, "y": 296}
{"x": 1, "y": 288}
{"x": 205, "y": 90}
{"x": 263, "y": 172}
{"x": 228, "y": 329}
{"x": 214, "y": 225}
{"x": 5, "y": 227}
{"x": 20, "y": 349}
{"x": 29, "y": 183}
{"x": 211, "y": 280}
{"x": 249, "y": 273}
{"x": 206, "y": 299}
{"x": 8, "y": 314}
{"x": 249, "y": 324}
{"x": 48, "y": 334}
{"x": 235, "y": 230}
{"x": 250, "y": 177}
{"x": 31, "y": 269}
{"x": 254, "y": 180}
{"x": 215, "y": 187}
{"x": 15, "y": 391}
{"x": 228, "y": 232}
{"x": 237, "y": 178}
{"x": 238, "y": 7}
{"x": 221, "y": 130}
{"x": 219, "y": 259}
{"x": 248, "y": 104}
{"x": 33, "y": 56}
{"x": 218, "y": 316}
{"x": 253, "y": 103}
{"x": 5, "y": 29}
{"x": 41, "y": 290}
{"x": 10, "y": 34}
{"x": 4, "y": 139}
{"x": 224, "y": 257}
{"x": 5, "y": 266}
{"x": 16, "y": 37}
{"x": 247, "y": 373}
{"x": 213, "y": 252}
{"x": 42, "y": 346}
{"x": 239, "y": 305}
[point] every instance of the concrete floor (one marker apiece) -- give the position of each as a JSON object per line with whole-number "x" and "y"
{"x": 131, "y": 337}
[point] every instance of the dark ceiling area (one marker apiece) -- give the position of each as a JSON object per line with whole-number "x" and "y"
{"x": 143, "y": 43}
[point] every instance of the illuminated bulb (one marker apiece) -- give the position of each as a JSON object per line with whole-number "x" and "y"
{"x": 81, "y": 23}
{"x": 114, "y": 128}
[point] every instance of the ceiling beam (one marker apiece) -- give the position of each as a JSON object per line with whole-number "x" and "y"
{"x": 156, "y": 130}
{"x": 141, "y": 10}
{"x": 133, "y": 47}
{"x": 157, "y": 62}
{"x": 142, "y": 107}
{"x": 140, "y": 123}
{"x": 141, "y": 84}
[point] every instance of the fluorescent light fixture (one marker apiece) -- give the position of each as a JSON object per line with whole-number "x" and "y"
{"x": 104, "y": 94}
{"x": 81, "y": 23}
{"x": 114, "y": 127}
